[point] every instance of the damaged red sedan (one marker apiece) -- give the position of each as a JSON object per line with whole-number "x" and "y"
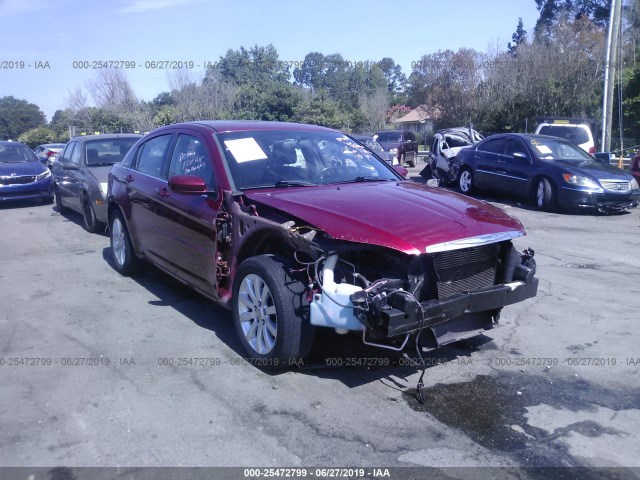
{"x": 296, "y": 227}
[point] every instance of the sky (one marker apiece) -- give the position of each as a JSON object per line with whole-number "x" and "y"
{"x": 44, "y": 43}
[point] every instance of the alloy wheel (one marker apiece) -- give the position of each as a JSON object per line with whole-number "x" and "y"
{"x": 257, "y": 314}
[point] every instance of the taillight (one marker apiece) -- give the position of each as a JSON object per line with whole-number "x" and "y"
{"x": 592, "y": 150}
{"x": 50, "y": 153}
{"x": 635, "y": 164}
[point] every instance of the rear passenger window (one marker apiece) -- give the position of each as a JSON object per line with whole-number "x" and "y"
{"x": 151, "y": 156}
{"x": 492, "y": 146}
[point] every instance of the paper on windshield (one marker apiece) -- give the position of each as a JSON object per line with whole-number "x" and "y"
{"x": 544, "y": 149}
{"x": 245, "y": 149}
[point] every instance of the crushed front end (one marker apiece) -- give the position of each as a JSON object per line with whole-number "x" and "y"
{"x": 450, "y": 293}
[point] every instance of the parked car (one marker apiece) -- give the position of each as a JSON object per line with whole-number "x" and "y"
{"x": 635, "y": 167}
{"x": 376, "y": 148}
{"x": 401, "y": 144}
{"x": 22, "y": 176}
{"x": 80, "y": 175}
{"x": 550, "y": 171}
{"x": 296, "y": 227}
{"x": 445, "y": 146}
{"x": 577, "y": 131}
{"x": 48, "y": 152}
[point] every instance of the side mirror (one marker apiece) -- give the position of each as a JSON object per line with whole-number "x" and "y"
{"x": 69, "y": 166}
{"x": 190, "y": 185}
{"x": 401, "y": 170}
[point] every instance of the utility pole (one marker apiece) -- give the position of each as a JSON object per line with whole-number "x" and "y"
{"x": 610, "y": 71}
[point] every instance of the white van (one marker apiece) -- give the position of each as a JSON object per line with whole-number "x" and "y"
{"x": 578, "y": 133}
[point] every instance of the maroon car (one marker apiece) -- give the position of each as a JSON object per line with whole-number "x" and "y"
{"x": 635, "y": 168}
{"x": 295, "y": 227}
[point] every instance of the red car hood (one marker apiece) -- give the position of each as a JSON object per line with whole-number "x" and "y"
{"x": 405, "y": 216}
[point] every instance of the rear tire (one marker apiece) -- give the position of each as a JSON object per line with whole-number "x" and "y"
{"x": 124, "y": 257}
{"x": 465, "y": 181}
{"x": 544, "y": 195}
{"x": 271, "y": 313}
{"x": 412, "y": 162}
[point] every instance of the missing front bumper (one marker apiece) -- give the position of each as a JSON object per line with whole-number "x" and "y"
{"x": 407, "y": 316}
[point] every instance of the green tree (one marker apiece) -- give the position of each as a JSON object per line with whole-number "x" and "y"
{"x": 37, "y": 136}
{"x": 446, "y": 81}
{"x": 396, "y": 80}
{"x": 18, "y": 116}
{"x": 520, "y": 36}
{"x": 255, "y": 65}
{"x": 60, "y": 125}
{"x": 551, "y": 12}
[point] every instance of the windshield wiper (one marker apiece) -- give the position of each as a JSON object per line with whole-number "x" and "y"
{"x": 292, "y": 183}
{"x": 363, "y": 178}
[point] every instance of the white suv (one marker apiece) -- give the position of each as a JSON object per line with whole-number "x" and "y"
{"x": 578, "y": 133}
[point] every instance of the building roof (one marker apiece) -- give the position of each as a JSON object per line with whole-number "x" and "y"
{"x": 417, "y": 115}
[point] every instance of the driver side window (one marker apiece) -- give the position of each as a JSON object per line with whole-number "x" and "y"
{"x": 190, "y": 157}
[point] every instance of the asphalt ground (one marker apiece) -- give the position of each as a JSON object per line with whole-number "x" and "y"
{"x": 101, "y": 370}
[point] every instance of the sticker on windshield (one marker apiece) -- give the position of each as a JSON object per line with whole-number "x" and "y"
{"x": 245, "y": 149}
{"x": 544, "y": 149}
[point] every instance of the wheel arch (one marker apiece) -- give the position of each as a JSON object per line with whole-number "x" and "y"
{"x": 533, "y": 182}
{"x": 263, "y": 242}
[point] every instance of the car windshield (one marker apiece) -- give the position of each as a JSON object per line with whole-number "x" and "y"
{"x": 17, "y": 153}
{"x": 454, "y": 141}
{"x": 385, "y": 137}
{"x": 290, "y": 158}
{"x": 371, "y": 144}
{"x": 558, "y": 150}
{"x": 107, "y": 151}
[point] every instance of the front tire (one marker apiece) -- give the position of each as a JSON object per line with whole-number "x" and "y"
{"x": 271, "y": 313}
{"x": 124, "y": 258}
{"x": 465, "y": 181}
{"x": 544, "y": 195}
{"x": 91, "y": 224}
{"x": 58, "y": 199}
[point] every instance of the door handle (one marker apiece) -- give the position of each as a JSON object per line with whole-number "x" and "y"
{"x": 163, "y": 192}
{"x": 501, "y": 161}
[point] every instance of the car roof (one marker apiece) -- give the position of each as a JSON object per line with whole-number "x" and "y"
{"x": 7, "y": 142}
{"x": 107, "y": 136}
{"x": 523, "y": 136}
{"x": 220, "y": 126}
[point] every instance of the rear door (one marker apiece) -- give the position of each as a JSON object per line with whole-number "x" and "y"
{"x": 187, "y": 223}
{"x": 487, "y": 159}
{"x": 144, "y": 182}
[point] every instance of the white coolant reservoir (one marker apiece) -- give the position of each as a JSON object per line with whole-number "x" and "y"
{"x": 332, "y": 307}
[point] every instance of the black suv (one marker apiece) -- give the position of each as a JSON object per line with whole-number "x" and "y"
{"x": 401, "y": 143}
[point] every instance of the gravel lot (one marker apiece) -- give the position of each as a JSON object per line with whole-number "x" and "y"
{"x": 556, "y": 384}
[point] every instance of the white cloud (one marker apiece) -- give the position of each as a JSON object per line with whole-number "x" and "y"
{"x": 139, "y": 6}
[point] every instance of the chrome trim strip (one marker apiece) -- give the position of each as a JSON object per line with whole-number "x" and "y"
{"x": 474, "y": 241}
{"x": 502, "y": 175}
